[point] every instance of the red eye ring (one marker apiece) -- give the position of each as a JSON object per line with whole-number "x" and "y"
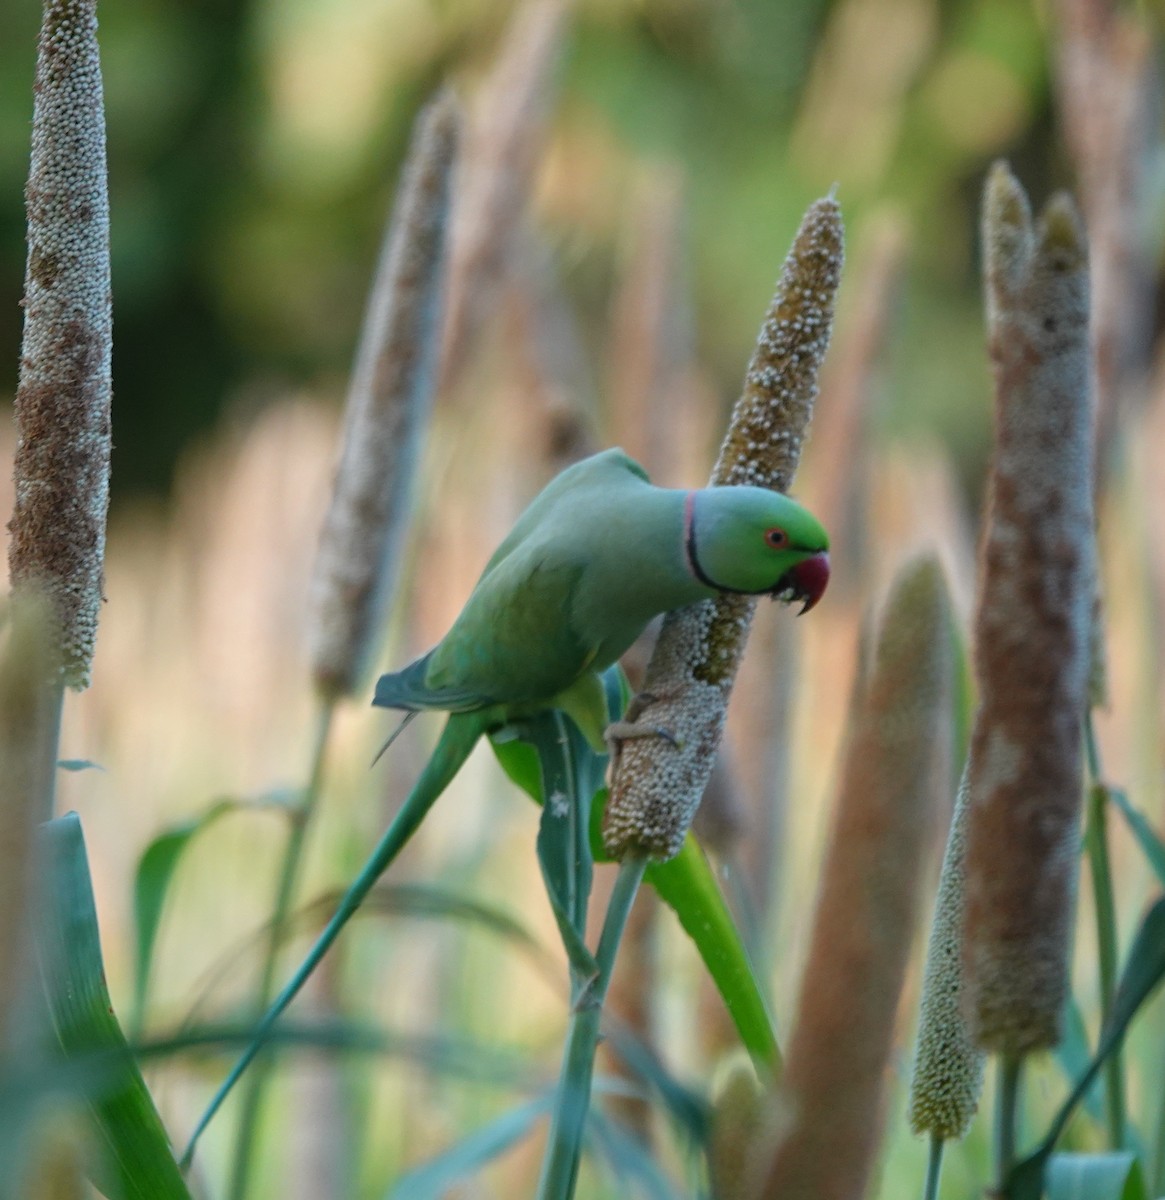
{"x": 776, "y": 538}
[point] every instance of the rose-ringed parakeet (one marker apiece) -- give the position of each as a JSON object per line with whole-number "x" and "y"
{"x": 596, "y": 555}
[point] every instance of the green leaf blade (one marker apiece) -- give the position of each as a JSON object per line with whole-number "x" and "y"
{"x": 687, "y": 884}
{"x": 1113, "y": 1176}
{"x": 435, "y": 1178}
{"x": 155, "y": 871}
{"x": 139, "y": 1163}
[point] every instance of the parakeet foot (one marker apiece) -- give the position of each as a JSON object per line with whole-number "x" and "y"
{"x": 630, "y": 727}
{"x": 635, "y": 707}
{"x": 623, "y": 731}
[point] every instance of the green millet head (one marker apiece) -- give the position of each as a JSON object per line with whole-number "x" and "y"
{"x": 948, "y": 1066}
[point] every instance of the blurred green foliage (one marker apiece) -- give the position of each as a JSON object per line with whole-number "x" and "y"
{"x": 254, "y": 144}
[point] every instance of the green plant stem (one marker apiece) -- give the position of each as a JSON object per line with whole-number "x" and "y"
{"x": 560, "y": 1165}
{"x": 45, "y": 750}
{"x": 1157, "y": 1186}
{"x": 1096, "y": 842}
{"x": 934, "y": 1166}
{"x": 1009, "y": 1069}
{"x": 301, "y": 818}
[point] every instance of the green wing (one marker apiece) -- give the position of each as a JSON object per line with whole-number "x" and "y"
{"x": 407, "y": 690}
{"x": 517, "y": 640}
{"x": 601, "y": 471}
{"x": 514, "y": 642}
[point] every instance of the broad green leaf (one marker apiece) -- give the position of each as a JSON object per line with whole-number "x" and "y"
{"x": 688, "y": 886}
{"x": 1151, "y": 845}
{"x": 155, "y": 872}
{"x": 140, "y": 1164}
{"x": 1144, "y": 970}
{"x": 435, "y": 1179}
{"x": 564, "y": 851}
{"x": 1112, "y": 1176}
{"x": 519, "y": 760}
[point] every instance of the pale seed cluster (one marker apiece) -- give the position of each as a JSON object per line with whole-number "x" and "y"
{"x": 948, "y": 1066}
{"x": 658, "y": 785}
{"x": 62, "y": 407}
{"x": 388, "y": 405}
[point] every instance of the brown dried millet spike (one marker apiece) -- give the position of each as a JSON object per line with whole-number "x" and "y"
{"x": 1032, "y": 644}
{"x": 827, "y": 1108}
{"x": 389, "y": 400}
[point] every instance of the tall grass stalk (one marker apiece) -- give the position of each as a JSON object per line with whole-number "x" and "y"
{"x": 1104, "y": 905}
{"x": 389, "y": 399}
{"x": 1009, "y": 1072}
{"x": 564, "y": 1149}
{"x": 44, "y": 748}
{"x": 504, "y": 142}
{"x": 934, "y": 1168}
{"x": 459, "y": 737}
{"x": 301, "y": 818}
{"x": 28, "y": 771}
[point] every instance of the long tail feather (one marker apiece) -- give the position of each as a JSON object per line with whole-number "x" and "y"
{"x": 392, "y": 738}
{"x": 457, "y": 739}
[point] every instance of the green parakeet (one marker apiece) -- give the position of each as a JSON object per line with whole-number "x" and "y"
{"x": 596, "y": 555}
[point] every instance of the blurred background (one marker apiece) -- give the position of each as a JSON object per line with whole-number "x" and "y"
{"x": 635, "y": 173}
{"x": 253, "y": 148}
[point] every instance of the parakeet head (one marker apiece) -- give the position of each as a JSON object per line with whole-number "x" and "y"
{"x": 752, "y": 540}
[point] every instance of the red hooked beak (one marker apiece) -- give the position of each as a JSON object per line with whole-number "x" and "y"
{"x": 806, "y": 581}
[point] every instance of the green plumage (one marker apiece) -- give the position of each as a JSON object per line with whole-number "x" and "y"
{"x": 597, "y": 554}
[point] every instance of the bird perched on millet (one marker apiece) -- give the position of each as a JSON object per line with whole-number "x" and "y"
{"x": 596, "y": 555}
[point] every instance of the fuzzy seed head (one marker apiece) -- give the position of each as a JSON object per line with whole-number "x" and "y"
{"x": 830, "y": 1095}
{"x": 62, "y": 407}
{"x": 948, "y": 1066}
{"x": 1033, "y": 628}
{"x": 388, "y": 405}
{"x": 736, "y": 1119}
{"x": 657, "y": 785}
{"x": 503, "y": 149}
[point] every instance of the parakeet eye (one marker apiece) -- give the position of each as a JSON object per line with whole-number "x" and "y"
{"x": 778, "y": 539}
